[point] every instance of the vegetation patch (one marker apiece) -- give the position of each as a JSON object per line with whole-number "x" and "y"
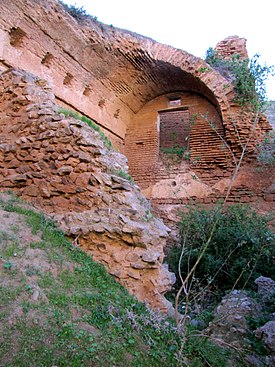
{"x": 71, "y": 312}
{"x": 240, "y": 250}
{"x": 79, "y": 13}
{"x": 91, "y": 123}
{"x": 247, "y": 75}
{"x": 123, "y": 174}
{"x": 174, "y": 150}
{"x": 266, "y": 150}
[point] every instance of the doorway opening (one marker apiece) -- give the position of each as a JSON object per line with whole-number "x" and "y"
{"x": 174, "y": 128}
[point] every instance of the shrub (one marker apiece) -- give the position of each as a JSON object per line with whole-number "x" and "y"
{"x": 241, "y": 247}
{"x": 213, "y": 58}
{"x": 247, "y": 75}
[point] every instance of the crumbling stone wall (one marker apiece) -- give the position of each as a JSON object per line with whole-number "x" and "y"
{"x": 61, "y": 166}
{"x": 230, "y": 46}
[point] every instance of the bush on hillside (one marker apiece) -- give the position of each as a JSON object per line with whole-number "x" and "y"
{"x": 240, "y": 250}
{"x": 79, "y": 13}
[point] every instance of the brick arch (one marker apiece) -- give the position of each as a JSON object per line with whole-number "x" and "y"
{"x": 105, "y": 73}
{"x": 154, "y": 69}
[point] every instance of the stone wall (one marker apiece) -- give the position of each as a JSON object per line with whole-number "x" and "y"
{"x": 62, "y": 166}
{"x": 230, "y": 46}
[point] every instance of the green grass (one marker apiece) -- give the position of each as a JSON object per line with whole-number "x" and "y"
{"x": 176, "y": 151}
{"x": 9, "y": 244}
{"x": 85, "y": 318}
{"x": 123, "y": 174}
{"x": 92, "y": 124}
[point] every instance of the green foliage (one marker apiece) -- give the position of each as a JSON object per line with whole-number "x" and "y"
{"x": 241, "y": 247}
{"x": 268, "y": 309}
{"x": 212, "y": 58}
{"x": 92, "y": 124}
{"x": 123, "y": 174}
{"x": 203, "y": 69}
{"x": 88, "y": 319}
{"x": 193, "y": 118}
{"x": 205, "y": 353}
{"x": 249, "y": 81}
{"x": 266, "y": 150}
{"x": 79, "y": 13}
{"x": 248, "y": 77}
{"x": 176, "y": 150}
{"x": 176, "y": 153}
{"x": 8, "y": 265}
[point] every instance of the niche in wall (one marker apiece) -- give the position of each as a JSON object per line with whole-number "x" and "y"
{"x": 174, "y": 126}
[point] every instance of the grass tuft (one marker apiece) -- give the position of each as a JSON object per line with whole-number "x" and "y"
{"x": 91, "y": 123}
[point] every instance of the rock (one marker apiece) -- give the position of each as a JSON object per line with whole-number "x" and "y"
{"x": 266, "y": 286}
{"x": 151, "y": 256}
{"x": 18, "y": 178}
{"x": 82, "y": 179}
{"x": 136, "y": 275}
{"x": 35, "y": 295}
{"x": 181, "y": 186}
{"x": 133, "y": 227}
{"x": 31, "y": 190}
{"x": 230, "y": 322}
{"x": 65, "y": 170}
{"x": 267, "y": 334}
{"x": 84, "y": 157}
{"x": 139, "y": 265}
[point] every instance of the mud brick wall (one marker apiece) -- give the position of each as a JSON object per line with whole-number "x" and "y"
{"x": 238, "y": 129}
{"x": 42, "y": 39}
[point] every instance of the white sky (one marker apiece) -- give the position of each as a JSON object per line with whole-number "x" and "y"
{"x": 194, "y": 25}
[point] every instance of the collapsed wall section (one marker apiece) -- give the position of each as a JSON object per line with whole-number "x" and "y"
{"x": 61, "y": 166}
{"x": 103, "y": 72}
